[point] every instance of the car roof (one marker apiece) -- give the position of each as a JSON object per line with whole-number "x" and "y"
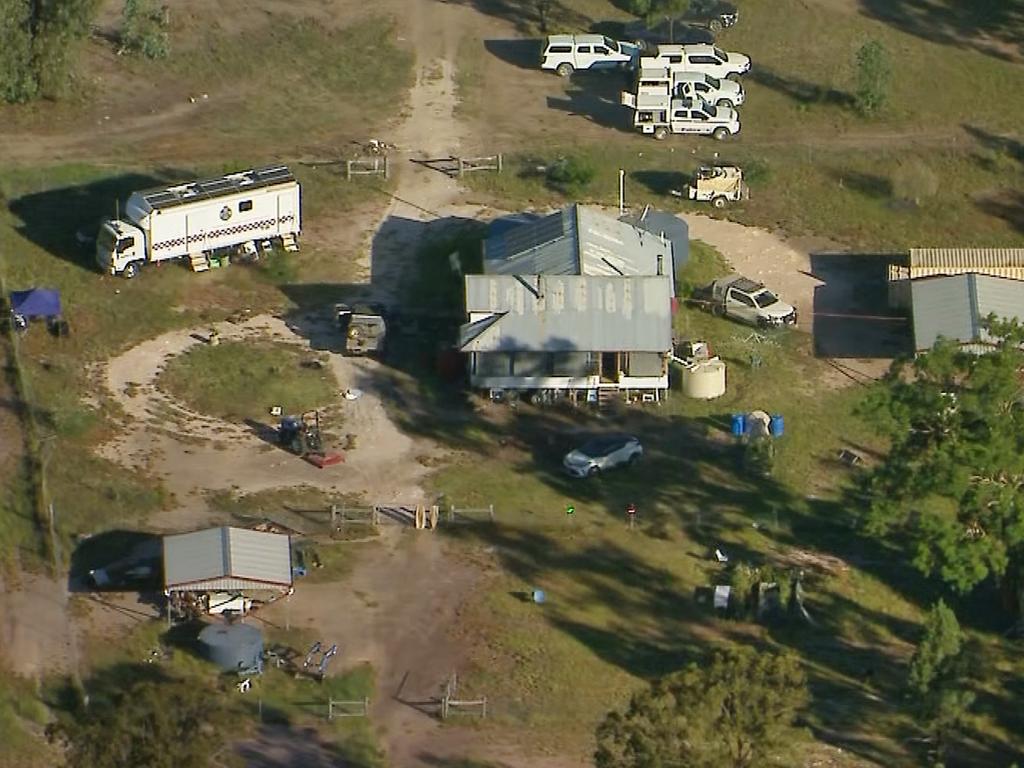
{"x": 569, "y": 39}
{"x": 694, "y": 48}
{"x": 609, "y": 439}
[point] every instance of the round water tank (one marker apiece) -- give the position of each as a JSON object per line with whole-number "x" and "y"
{"x": 232, "y": 647}
{"x": 705, "y": 380}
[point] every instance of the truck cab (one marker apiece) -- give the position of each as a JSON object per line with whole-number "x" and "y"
{"x": 120, "y": 248}
{"x": 749, "y": 302}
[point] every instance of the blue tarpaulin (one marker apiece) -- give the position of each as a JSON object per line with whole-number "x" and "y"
{"x": 36, "y": 302}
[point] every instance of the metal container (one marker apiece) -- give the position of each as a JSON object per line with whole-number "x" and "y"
{"x": 233, "y": 647}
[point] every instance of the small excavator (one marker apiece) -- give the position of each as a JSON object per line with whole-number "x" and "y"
{"x": 301, "y": 435}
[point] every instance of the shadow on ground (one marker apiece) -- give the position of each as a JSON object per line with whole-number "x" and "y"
{"x": 800, "y": 90}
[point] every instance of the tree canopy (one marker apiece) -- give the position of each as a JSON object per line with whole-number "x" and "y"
{"x": 734, "y": 711}
{"x": 953, "y": 480}
{"x": 173, "y": 724}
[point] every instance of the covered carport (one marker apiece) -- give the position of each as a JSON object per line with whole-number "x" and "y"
{"x": 225, "y": 562}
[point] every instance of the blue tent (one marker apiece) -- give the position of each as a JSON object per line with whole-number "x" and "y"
{"x": 36, "y": 302}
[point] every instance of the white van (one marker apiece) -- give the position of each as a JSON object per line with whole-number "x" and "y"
{"x": 566, "y": 54}
{"x": 708, "y": 59}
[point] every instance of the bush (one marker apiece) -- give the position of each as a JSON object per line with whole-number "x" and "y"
{"x": 913, "y": 180}
{"x": 571, "y": 175}
{"x": 144, "y": 29}
{"x": 873, "y": 76}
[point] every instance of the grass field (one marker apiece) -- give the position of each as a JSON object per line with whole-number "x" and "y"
{"x": 239, "y": 380}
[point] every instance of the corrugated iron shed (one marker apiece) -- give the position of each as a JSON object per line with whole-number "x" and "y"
{"x": 997, "y": 262}
{"x": 955, "y": 307}
{"x": 577, "y": 240}
{"x": 227, "y": 559}
{"x": 559, "y": 313}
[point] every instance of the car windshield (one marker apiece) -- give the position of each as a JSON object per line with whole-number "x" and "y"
{"x": 720, "y": 54}
{"x": 766, "y": 299}
{"x": 714, "y": 82}
{"x": 105, "y": 240}
{"x": 712, "y": 111}
{"x": 601, "y": 446}
{"x": 611, "y": 45}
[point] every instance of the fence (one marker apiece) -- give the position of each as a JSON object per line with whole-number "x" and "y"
{"x": 367, "y": 166}
{"x": 418, "y": 515}
{"x": 342, "y": 708}
{"x": 470, "y": 514}
{"x": 451, "y": 705}
{"x": 486, "y": 163}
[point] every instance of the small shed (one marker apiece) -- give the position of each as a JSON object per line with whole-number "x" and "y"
{"x": 227, "y": 560}
{"x": 956, "y": 308}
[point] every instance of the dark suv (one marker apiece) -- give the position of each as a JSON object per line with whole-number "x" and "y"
{"x": 713, "y": 14}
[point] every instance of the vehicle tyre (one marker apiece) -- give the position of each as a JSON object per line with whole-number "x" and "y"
{"x": 565, "y": 69}
{"x": 718, "y": 310}
{"x": 593, "y": 472}
{"x": 661, "y": 133}
{"x": 719, "y": 202}
{"x": 715, "y": 26}
{"x": 131, "y": 270}
{"x": 725, "y": 103}
{"x": 631, "y": 462}
{"x": 721, "y": 134}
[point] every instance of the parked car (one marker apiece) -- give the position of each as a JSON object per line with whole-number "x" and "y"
{"x": 709, "y": 59}
{"x": 747, "y": 301}
{"x": 668, "y": 30}
{"x": 565, "y": 54}
{"x": 601, "y": 454}
{"x": 716, "y": 15}
{"x": 662, "y": 115}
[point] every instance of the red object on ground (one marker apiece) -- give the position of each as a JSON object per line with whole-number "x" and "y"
{"x": 321, "y": 460}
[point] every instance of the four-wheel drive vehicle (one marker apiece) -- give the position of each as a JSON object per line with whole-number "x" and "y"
{"x": 661, "y": 115}
{"x": 747, "y": 301}
{"x": 601, "y": 454}
{"x": 716, "y": 15}
{"x": 566, "y": 54}
{"x": 665, "y": 81}
{"x": 362, "y": 327}
{"x": 709, "y": 59}
{"x": 719, "y": 184}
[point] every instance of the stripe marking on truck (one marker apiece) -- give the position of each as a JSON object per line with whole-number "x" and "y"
{"x": 213, "y": 234}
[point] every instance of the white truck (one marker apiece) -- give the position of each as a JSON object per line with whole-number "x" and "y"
{"x": 745, "y": 300}
{"x": 709, "y": 59}
{"x": 661, "y": 115}
{"x": 202, "y": 220}
{"x": 666, "y": 81}
{"x": 565, "y": 54}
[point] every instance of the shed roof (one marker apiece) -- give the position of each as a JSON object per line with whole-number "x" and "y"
{"x": 997, "y": 262}
{"x": 561, "y": 313}
{"x": 955, "y": 307}
{"x": 227, "y": 558}
{"x": 577, "y": 240}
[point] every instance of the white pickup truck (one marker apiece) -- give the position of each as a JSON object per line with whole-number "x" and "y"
{"x": 565, "y": 54}
{"x": 709, "y": 59}
{"x": 666, "y": 81}
{"x": 747, "y": 301}
{"x": 661, "y": 115}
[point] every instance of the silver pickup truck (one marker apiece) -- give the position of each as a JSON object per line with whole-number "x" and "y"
{"x": 745, "y": 300}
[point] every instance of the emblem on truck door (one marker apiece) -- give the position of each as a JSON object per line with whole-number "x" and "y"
{"x": 225, "y": 213}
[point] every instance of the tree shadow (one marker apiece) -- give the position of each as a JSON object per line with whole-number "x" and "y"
{"x": 62, "y": 220}
{"x": 993, "y": 27}
{"x": 661, "y": 183}
{"x": 800, "y": 90}
{"x": 116, "y": 552}
{"x": 524, "y": 54}
{"x": 530, "y": 17}
{"x": 597, "y": 102}
{"x": 1007, "y": 205}
{"x": 1008, "y": 146}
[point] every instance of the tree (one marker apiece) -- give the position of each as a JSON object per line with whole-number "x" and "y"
{"x": 655, "y": 9}
{"x": 935, "y": 678}
{"x": 37, "y": 45}
{"x": 953, "y": 481}
{"x": 144, "y": 29}
{"x": 737, "y": 710}
{"x": 175, "y": 724}
{"x": 873, "y": 76}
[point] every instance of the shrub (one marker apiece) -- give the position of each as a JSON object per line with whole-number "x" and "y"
{"x": 144, "y": 29}
{"x": 913, "y": 180}
{"x": 873, "y": 75}
{"x": 571, "y": 175}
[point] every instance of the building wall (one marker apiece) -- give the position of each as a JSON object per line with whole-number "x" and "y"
{"x": 564, "y": 370}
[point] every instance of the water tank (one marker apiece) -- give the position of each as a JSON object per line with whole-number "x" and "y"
{"x": 705, "y": 380}
{"x": 739, "y": 424}
{"x": 777, "y": 426}
{"x": 232, "y": 647}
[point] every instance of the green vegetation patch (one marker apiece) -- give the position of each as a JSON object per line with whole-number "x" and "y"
{"x": 243, "y": 380}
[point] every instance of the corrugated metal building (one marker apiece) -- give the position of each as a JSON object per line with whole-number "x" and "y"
{"x": 227, "y": 560}
{"x": 956, "y": 307}
{"x": 928, "y": 262}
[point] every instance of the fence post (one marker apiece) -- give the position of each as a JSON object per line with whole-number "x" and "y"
{"x": 334, "y": 515}
{"x": 348, "y": 170}
{"x": 451, "y": 513}
{"x": 483, "y": 712}
{"x": 462, "y": 167}
{"x": 499, "y": 162}
{"x": 490, "y": 507}
{"x": 375, "y": 515}
{"x": 386, "y": 168}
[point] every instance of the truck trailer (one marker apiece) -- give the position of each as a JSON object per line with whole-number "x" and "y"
{"x": 202, "y": 220}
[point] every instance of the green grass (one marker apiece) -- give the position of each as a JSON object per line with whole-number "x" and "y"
{"x": 22, "y": 719}
{"x": 241, "y": 380}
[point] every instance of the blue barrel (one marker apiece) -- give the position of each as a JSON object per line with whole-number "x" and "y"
{"x": 777, "y": 426}
{"x": 739, "y": 424}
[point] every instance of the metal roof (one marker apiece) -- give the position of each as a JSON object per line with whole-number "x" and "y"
{"x": 169, "y": 197}
{"x": 559, "y": 313}
{"x": 578, "y": 240}
{"x": 227, "y": 558}
{"x": 997, "y": 262}
{"x": 955, "y": 307}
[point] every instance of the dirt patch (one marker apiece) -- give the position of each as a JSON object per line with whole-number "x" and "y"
{"x": 36, "y": 632}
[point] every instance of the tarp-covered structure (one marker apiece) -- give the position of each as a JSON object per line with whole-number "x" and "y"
{"x": 36, "y": 302}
